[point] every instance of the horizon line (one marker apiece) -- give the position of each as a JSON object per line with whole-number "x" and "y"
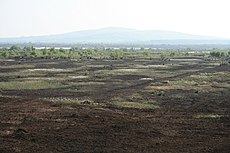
{"x": 91, "y": 29}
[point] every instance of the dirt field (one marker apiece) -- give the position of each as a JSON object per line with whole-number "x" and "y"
{"x": 98, "y": 106}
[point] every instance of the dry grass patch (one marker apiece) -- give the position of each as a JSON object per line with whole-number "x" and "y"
{"x": 159, "y": 88}
{"x": 66, "y": 100}
{"x": 43, "y": 78}
{"x": 48, "y": 70}
{"x": 79, "y": 77}
{"x": 19, "y": 66}
{"x": 136, "y": 105}
{"x": 150, "y": 66}
{"x": 208, "y": 116}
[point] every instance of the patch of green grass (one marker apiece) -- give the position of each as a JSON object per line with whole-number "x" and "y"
{"x": 42, "y": 78}
{"x": 219, "y": 76}
{"x": 203, "y": 82}
{"x": 178, "y": 96}
{"x": 135, "y": 96}
{"x": 30, "y": 85}
{"x": 157, "y": 92}
{"x": 23, "y": 74}
{"x": 19, "y": 66}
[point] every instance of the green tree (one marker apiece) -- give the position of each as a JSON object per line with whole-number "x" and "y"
{"x": 163, "y": 56}
{"x": 116, "y": 55}
{"x": 14, "y": 53}
{"x": 45, "y": 52}
{"x": 222, "y": 54}
{"x": 28, "y": 48}
{"x": 5, "y": 54}
{"x": 172, "y": 54}
{"x": 36, "y": 53}
{"x": 15, "y": 48}
{"x": 53, "y": 53}
{"x": 75, "y": 49}
{"x": 146, "y": 53}
{"x": 215, "y": 54}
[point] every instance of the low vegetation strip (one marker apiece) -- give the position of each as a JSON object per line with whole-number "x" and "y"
{"x": 116, "y": 104}
{"x": 135, "y": 105}
{"x": 29, "y": 85}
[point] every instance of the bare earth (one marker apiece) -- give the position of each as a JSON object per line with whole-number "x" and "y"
{"x": 193, "y": 118}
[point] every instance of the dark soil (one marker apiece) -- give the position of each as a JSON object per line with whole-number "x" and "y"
{"x": 29, "y": 124}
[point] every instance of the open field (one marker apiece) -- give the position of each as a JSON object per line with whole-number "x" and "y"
{"x": 179, "y": 105}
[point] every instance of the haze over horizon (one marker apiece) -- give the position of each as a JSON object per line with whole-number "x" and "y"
{"x": 48, "y": 17}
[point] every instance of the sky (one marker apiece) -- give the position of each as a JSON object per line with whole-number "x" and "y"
{"x": 45, "y": 17}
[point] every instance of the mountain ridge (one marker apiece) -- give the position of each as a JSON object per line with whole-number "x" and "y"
{"x": 112, "y": 35}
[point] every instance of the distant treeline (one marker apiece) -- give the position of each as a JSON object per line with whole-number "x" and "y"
{"x": 112, "y": 53}
{"x": 121, "y": 45}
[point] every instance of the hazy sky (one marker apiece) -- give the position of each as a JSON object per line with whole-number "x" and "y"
{"x": 42, "y": 17}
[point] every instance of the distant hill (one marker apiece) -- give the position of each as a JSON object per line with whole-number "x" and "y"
{"x": 120, "y": 35}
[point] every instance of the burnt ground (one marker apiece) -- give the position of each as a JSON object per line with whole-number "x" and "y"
{"x": 29, "y": 123}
